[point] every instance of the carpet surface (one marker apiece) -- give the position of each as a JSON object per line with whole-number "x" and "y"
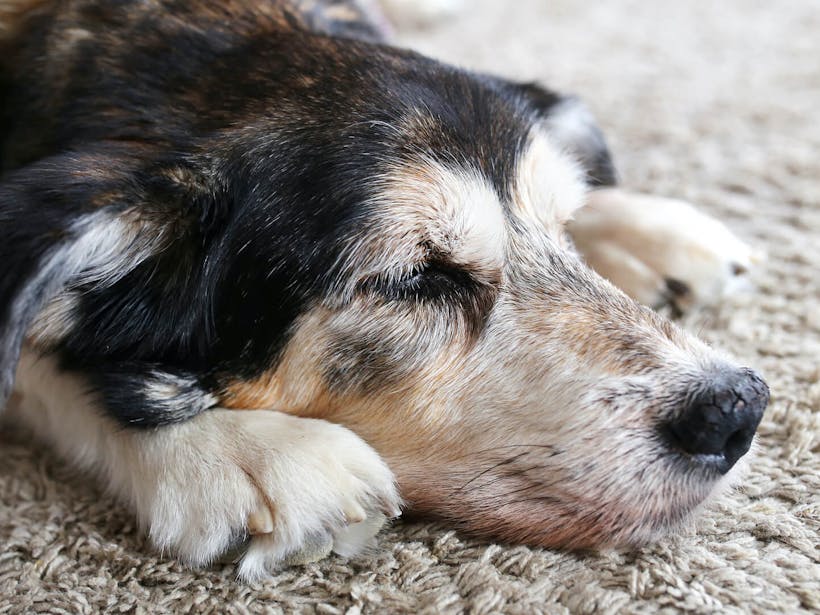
{"x": 715, "y": 102}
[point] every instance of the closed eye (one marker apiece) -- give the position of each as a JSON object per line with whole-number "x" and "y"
{"x": 442, "y": 286}
{"x": 426, "y": 282}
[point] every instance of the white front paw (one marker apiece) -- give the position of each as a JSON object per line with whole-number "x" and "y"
{"x": 661, "y": 251}
{"x": 296, "y": 488}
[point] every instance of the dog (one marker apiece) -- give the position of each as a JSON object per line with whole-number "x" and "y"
{"x": 274, "y": 281}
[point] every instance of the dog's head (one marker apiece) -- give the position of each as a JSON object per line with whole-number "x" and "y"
{"x": 366, "y": 236}
{"x": 449, "y": 322}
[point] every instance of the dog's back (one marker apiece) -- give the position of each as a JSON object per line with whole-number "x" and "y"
{"x": 70, "y": 70}
{"x": 13, "y": 14}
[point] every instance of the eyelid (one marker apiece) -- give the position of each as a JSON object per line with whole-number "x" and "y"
{"x": 426, "y": 280}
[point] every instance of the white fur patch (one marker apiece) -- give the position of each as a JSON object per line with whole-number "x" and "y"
{"x": 472, "y": 226}
{"x": 195, "y": 486}
{"x": 108, "y": 246}
{"x": 453, "y": 212}
{"x": 550, "y": 186}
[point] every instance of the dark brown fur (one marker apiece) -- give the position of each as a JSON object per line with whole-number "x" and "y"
{"x": 81, "y": 69}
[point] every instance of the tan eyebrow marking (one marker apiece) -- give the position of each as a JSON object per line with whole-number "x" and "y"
{"x": 424, "y": 207}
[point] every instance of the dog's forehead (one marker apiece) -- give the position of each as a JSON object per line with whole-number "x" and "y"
{"x": 453, "y": 208}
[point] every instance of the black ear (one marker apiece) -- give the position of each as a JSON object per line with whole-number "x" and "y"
{"x": 66, "y": 219}
{"x": 574, "y": 128}
{"x": 539, "y": 97}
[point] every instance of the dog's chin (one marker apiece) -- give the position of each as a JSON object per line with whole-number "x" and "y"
{"x": 695, "y": 483}
{"x": 639, "y": 515}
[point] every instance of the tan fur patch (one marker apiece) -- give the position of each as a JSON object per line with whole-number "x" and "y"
{"x": 295, "y": 385}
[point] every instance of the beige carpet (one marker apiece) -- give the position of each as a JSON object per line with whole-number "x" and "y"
{"x": 717, "y": 102}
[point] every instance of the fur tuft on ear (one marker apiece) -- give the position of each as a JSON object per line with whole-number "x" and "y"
{"x": 68, "y": 220}
{"x": 572, "y": 127}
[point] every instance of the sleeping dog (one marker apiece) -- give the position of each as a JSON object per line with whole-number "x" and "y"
{"x": 273, "y": 279}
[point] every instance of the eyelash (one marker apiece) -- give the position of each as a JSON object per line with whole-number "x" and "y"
{"x": 428, "y": 281}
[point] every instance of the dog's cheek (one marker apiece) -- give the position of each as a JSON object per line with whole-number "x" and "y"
{"x": 386, "y": 347}
{"x": 338, "y": 362}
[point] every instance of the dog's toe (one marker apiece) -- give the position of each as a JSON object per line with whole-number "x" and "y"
{"x": 264, "y": 488}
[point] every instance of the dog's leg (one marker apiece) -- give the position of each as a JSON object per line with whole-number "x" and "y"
{"x": 373, "y": 19}
{"x": 660, "y": 251}
{"x": 356, "y": 19}
{"x": 295, "y": 487}
{"x": 82, "y": 221}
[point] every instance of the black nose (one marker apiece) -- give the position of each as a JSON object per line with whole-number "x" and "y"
{"x": 721, "y": 420}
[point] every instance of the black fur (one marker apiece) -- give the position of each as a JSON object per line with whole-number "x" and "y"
{"x": 42, "y": 209}
{"x": 589, "y": 148}
{"x": 145, "y": 395}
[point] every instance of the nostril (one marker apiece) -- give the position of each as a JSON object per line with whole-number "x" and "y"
{"x": 701, "y": 431}
{"x": 738, "y": 444}
{"x": 721, "y": 420}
